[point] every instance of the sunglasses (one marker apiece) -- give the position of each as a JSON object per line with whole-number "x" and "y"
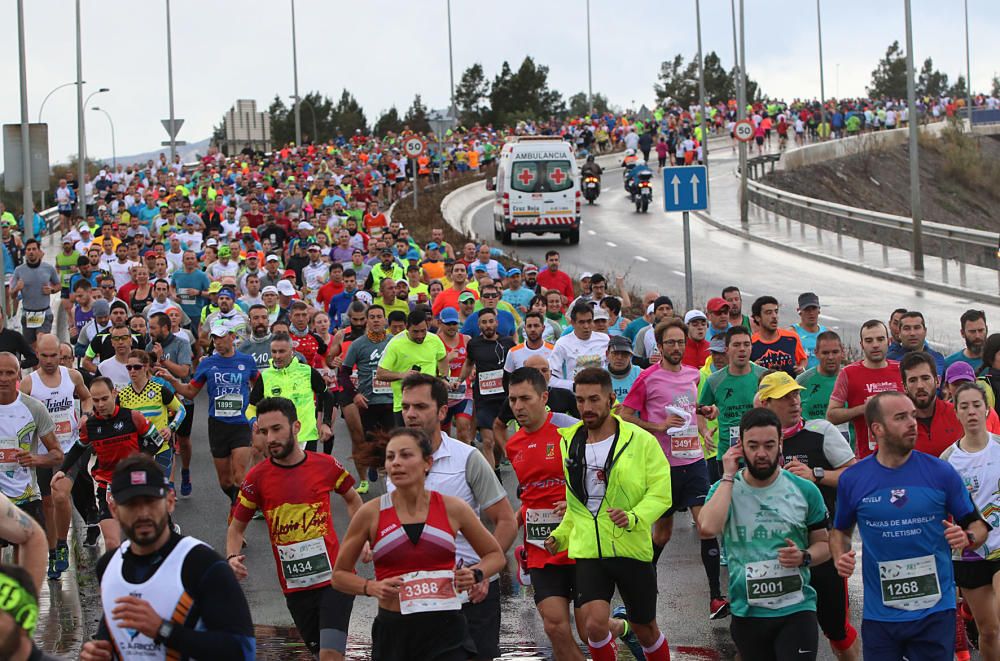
{"x": 491, "y": 295}
{"x": 120, "y": 338}
{"x": 134, "y": 368}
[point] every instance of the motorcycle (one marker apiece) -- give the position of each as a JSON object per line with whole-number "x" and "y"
{"x": 626, "y": 173}
{"x": 642, "y": 194}
{"x": 591, "y": 188}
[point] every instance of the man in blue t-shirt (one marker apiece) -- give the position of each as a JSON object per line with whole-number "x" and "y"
{"x": 901, "y": 500}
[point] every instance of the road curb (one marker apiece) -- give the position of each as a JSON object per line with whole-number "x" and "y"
{"x": 919, "y": 283}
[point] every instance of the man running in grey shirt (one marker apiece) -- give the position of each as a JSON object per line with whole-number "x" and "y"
{"x": 36, "y": 282}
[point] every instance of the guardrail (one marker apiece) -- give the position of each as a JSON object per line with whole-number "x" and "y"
{"x": 967, "y": 246}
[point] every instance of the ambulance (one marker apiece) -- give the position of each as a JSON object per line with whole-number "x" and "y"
{"x": 537, "y": 189}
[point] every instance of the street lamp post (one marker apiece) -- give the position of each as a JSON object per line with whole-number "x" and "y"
{"x": 170, "y": 88}
{"x": 452, "y": 110}
{"x": 822, "y": 90}
{"x": 81, "y": 157}
{"x": 295, "y": 81}
{"x": 741, "y": 114}
{"x": 41, "y": 193}
{"x": 312, "y": 112}
{"x": 701, "y": 96}
{"x": 968, "y": 67}
{"x": 114, "y": 152}
{"x": 590, "y": 83}
{"x": 27, "y": 215}
{"x": 914, "y": 121}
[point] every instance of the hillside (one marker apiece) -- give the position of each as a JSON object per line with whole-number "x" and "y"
{"x": 959, "y": 177}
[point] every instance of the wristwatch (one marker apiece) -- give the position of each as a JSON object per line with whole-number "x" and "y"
{"x": 806, "y": 557}
{"x": 818, "y": 473}
{"x": 477, "y": 575}
{"x": 163, "y": 633}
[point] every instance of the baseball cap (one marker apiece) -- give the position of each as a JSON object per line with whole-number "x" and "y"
{"x": 364, "y": 297}
{"x": 619, "y": 343}
{"x": 808, "y": 300}
{"x": 585, "y": 275}
{"x": 600, "y": 313}
{"x": 466, "y": 296}
{"x": 147, "y": 480}
{"x": 313, "y": 246}
{"x": 83, "y": 227}
{"x": 514, "y": 272}
{"x": 270, "y": 289}
{"x": 102, "y": 308}
{"x": 448, "y": 316}
{"x": 959, "y": 371}
{"x": 717, "y": 304}
{"x": 273, "y": 258}
{"x": 776, "y": 385}
{"x": 67, "y": 239}
{"x": 211, "y": 242}
{"x": 224, "y": 251}
{"x": 478, "y": 267}
{"x": 530, "y": 268}
{"x": 694, "y": 314}
{"x": 412, "y": 253}
{"x": 221, "y": 329}
{"x": 717, "y": 344}
{"x": 432, "y": 246}
{"x": 286, "y": 288}
{"x": 305, "y": 225}
{"x": 214, "y": 287}
{"x": 385, "y": 251}
{"x": 289, "y": 273}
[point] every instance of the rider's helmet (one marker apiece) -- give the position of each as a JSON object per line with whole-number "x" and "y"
{"x": 641, "y": 161}
{"x": 590, "y": 158}
{"x": 630, "y": 152}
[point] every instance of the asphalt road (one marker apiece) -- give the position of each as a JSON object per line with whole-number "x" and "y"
{"x": 682, "y": 606}
{"x": 648, "y": 250}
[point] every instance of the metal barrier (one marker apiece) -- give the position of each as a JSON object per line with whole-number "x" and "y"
{"x": 967, "y": 246}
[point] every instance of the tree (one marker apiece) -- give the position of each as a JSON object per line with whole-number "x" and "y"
{"x": 930, "y": 82}
{"x": 719, "y": 84}
{"x": 576, "y": 105}
{"x": 680, "y": 83}
{"x": 388, "y": 122}
{"x": 471, "y": 94}
{"x": 889, "y": 77}
{"x": 348, "y": 116}
{"x": 282, "y": 123}
{"x": 959, "y": 90}
{"x": 671, "y": 81}
{"x": 522, "y": 95}
{"x": 416, "y": 116}
{"x": 995, "y": 86}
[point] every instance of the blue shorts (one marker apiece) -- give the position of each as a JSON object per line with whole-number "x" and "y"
{"x": 461, "y": 408}
{"x": 688, "y": 486}
{"x": 930, "y": 638}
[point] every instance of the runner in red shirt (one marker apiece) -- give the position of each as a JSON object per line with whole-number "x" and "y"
{"x": 292, "y": 489}
{"x": 859, "y": 381}
{"x": 937, "y": 425}
{"x": 553, "y": 278}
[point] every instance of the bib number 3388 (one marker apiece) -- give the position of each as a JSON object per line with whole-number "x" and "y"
{"x": 425, "y": 591}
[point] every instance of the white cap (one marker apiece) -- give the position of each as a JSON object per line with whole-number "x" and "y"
{"x": 694, "y": 314}
{"x": 585, "y": 275}
{"x": 272, "y": 258}
{"x": 270, "y": 289}
{"x": 363, "y": 296}
{"x": 305, "y": 226}
{"x": 286, "y": 288}
{"x": 211, "y": 242}
{"x": 600, "y": 313}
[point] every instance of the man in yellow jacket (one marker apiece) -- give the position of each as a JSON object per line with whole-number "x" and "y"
{"x": 617, "y": 485}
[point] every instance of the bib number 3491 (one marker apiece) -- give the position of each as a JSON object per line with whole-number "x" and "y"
{"x": 425, "y": 591}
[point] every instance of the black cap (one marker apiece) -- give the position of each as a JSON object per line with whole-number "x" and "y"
{"x": 808, "y": 300}
{"x": 662, "y": 300}
{"x": 140, "y": 481}
{"x": 619, "y": 343}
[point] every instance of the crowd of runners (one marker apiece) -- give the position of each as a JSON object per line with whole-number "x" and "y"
{"x": 279, "y": 286}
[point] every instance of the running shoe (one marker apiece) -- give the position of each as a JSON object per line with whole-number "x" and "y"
{"x": 62, "y": 557}
{"x": 523, "y": 577}
{"x": 53, "y": 573}
{"x": 185, "y": 483}
{"x": 93, "y": 532}
{"x": 362, "y": 487}
{"x": 718, "y": 608}
{"x": 372, "y": 474}
{"x": 971, "y": 630}
{"x": 961, "y": 640}
{"x": 628, "y": 636}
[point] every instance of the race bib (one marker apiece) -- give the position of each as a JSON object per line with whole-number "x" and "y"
{"x": 425, "y": 591}
{"x": 458, "y": 393}
{"x": 538, "y": 525}
{"x": 187, "y": 300}
{"x": 734, "y": 436}
{"x": 910, "y": 584}
{"x": 685, "y": 444}
{"x": 34, "y": 319}
{"x": 8, "y": 455}
{"x": 769, "y": 585}
{"x": 304, "y": 564}
{"x": 228, "y": 406}
{"x": 381, "y": 387}
{"x": 491, "y": 382}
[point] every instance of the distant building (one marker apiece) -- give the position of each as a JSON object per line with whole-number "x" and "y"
{"x": 243, "y": 126}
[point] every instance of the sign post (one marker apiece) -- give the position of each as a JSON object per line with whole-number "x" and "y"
{"x": 685, "y": 189}
{"x": 413, "y": 148}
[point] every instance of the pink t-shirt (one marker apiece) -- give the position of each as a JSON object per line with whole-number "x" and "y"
{"x": 654, "y": 390}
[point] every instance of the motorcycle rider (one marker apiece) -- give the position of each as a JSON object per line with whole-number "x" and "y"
{"x": 632, "y": 182}
{"x": 591, "y": 169}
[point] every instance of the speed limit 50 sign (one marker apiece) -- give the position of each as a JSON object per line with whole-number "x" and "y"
{"x": 413, "y": 147}
{"x": 743, "y": 130}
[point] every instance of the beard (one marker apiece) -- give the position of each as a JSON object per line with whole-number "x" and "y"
{"x": 145, "y": 538}
{"x": 285, "y": 449}
{"x": 763, "y": 472}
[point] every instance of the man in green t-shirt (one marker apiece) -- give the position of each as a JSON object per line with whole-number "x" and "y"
{"x": 66, "y": 267}
{"x": 819, "y": 381}
{"x": 774, "y": 525}
{"x": 732, "y": 389}
{"x": 414, "y": 350}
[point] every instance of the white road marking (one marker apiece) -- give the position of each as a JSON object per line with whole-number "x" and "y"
{"x": 591, "y": 232}
{"x": 611, "y": 244}
{"x": 826, "y": 316}
{"x": 680, "y": 273}
{"x": 640, "y": 258}
{"x": 605, "y": 189}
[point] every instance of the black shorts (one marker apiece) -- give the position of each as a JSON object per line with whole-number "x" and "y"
{"x": 377, "y": 419}
{"x": 776, "y": 638}
{"x": 484, "y": 624}
{"x": 831, "y": 600}
{"x": 44, "y": 477}
{"x": 397, "y": 637}
{"x": 185, "y": 427}
{"x": 688, "y": 486}
{"x": 975, "y": 574}
{"x": 555, "y": 581}
{"x": 32, "y": 508}
{"x": 64, "y": 293}
{"x": 635, "y": 580}
{"x": 487, "y": 410}
{"x": 322, "y": 617}
{"x": 343, "y": 398}
{"x": 103, "y": 511}
{"x": 759, "y": 140}
{"x": 224, "y": 437}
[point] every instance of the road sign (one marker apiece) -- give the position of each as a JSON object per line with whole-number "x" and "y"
{"x": 38, "y": 147}
{"x": 176, "y": 143}
{"x": 743, "y": 130}
{"x": 685, "y": 188}
{"x": 413, "y": 147}
{"x": 176, "y": 128}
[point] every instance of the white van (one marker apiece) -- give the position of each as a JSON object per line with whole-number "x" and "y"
{"x": 537, "y": 189}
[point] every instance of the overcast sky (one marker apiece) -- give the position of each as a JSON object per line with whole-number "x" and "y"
{"x": 386, "y": 51}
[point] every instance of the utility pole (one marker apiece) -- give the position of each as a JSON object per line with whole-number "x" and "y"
{"x": 968, "y": 68}
{"x": 741, "y": 114}
{"x": 822, "y": 89}
{"x": 170, "y": 90}
{"x": 81, "y": 138}
{"x": 914, "y": 121}
{"x": 295, "y": 80}
{"x": 453, "y": 111}
{"x": 701, "y": 99}
{"x": 26, "y": 201}
{"x": 590, "y": 83}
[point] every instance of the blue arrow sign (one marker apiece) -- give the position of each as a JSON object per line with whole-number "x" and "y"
{"x": 685, "y": 188}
